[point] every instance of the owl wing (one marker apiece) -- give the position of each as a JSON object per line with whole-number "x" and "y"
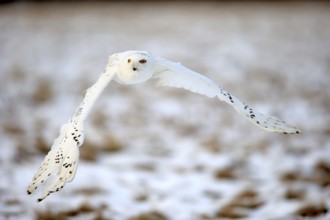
{"x": 62, "y": 160}
{"x": 60, "y": 164}
{"x": 176, "y": 75}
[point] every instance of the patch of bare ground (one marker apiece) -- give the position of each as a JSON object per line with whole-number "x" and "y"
{"x": 91, "y": 150}
{"x": 225, "y": 173}
{"x": 241, "y": 205}
{"x": 230, "y": 172}
{"x": 212, "y": 145}
{"x": 42, "y": 92}
{"x": 312, "y": 210}
{"x": 83, "y": 209}
{"x": 12, "y": 208}
{"x": 89, "y": 191}
{"x": 152, "y": 215}
{"x": 318, "y": 175}
{"x": 294, "y": 194}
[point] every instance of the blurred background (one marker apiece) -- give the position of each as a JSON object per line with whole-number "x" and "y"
{"x": 164, "y": 153}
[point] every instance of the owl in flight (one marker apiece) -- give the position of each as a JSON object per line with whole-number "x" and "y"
{"x": 131, "y": 67}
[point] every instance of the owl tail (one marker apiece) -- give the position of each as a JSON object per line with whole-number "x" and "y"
{"x": 60, "y": 164}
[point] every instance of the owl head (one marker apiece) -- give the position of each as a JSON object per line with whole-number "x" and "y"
{"x": 134, "y": 67}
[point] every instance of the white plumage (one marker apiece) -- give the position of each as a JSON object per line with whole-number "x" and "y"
{"x": 133, "y": 67}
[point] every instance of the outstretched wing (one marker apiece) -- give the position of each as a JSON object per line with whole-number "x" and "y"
{"x": 62, "y": 160}
{"x": 176, "y": 75}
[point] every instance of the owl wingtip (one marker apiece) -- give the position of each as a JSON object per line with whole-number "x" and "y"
{"x": 292, "y": 132}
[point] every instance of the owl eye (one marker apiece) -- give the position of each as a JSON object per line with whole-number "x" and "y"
{"x": 129, "y": 60}
{"x": 143, "y": 61}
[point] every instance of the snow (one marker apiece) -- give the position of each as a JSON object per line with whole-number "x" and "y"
{"x": 180, "y": 154}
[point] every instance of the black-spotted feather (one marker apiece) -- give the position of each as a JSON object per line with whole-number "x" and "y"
{"x": 177, "y": 75}
{"x": 65, "y": 174}
{"x": 62, "y": 160}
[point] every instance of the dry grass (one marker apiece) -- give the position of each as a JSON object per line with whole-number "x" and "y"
{"x": 152, "y": 215}
{"x": 84, "y": 208}
{"x": 292, "y": 194}
{"x": 289, "y": 176}
{"x": 322, "y": 169}
{"x": 240, "y": 206}
{"x": 212, "y": 144}
{"x": 42, "y": 92}
{"x": 225, "y": 173}
{"x": 91, "y": 150}
{"x": 141, "y": 197}
{"x": 91, "y": 191}
{"x": 12, "y": 129}
{"x": 41, "y": 145}
{"x": 145, "y": 166}
{"x": 318, "y": 175}
{"x": 312, "y": 210}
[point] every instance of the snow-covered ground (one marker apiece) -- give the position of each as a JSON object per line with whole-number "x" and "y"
{"x": 165, "y": 153}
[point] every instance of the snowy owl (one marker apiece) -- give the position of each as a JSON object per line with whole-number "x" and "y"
{"x": 131, "y": 67}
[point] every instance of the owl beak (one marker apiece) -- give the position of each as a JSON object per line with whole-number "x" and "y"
{"x": 134, "y": 68}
